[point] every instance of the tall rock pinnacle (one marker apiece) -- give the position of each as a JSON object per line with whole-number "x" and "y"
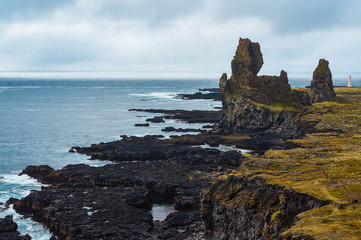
{"x": 321, "y": 84}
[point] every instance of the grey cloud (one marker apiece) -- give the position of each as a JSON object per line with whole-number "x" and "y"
{"x": 292, "y": 16}
{"x": 155, "y": 13}
{"x": 28, "y": 9}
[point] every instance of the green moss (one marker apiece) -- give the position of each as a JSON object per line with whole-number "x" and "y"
{"x": 329, "y": 170}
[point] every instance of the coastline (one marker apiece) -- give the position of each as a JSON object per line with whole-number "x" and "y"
{"x": 181, "y": 180}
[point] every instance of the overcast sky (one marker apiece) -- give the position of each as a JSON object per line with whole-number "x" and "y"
{"x": 177, "y": 35}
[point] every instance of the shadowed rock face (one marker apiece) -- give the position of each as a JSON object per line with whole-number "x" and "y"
{"x": 321, "y": 84}
{"x": 242, "y": 208}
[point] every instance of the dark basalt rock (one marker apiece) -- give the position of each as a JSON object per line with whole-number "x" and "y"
{"x": 8, "y": 230}
{"x": 172, "y": 129}
{"x": 7, "y": 224}
{"x": 193, "y": 116}
{"x": 249, "y": 101}
{"x": 242, "y": 208}
{"x": 179, "y": 226}
{"x": 113, "y": 201}
{"x": 89, "y": 212}
{"x": 209, "y": 90}
{"x": 151, "y": 149}
{"x": 141, "y": 125}
{"x": 215, "y": 96}
{"x": 156, "y": 120}
{"x": 244, "y": 81}
{"x": 321, "y": 84}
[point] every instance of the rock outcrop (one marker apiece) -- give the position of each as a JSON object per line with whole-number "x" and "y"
{"x": 321, "y": 84}
{"x": 244, "y": 81}
{"x": 242, "y": 208}
{"x": 258, "y": 103}
{"x": 8, "y": 230}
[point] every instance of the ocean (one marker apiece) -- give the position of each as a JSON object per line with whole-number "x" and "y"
{"x": 42, "y": 118}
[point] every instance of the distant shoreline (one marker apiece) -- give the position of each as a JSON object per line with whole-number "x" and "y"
{"x": 150, "y": 75}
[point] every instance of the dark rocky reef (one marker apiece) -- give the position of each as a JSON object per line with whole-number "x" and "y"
{"x": 215, "y": 96}
{"x": 8, "y": 230}
{"x": 242, "y": 208}
{"x": 188, "y": 116}
{"x": 150, "y": 148}
{"x": 321, "y": 84}
{"x": 173, "y": 129}
{"x": 254, "y": 103}
{"x": 114, "y": 201}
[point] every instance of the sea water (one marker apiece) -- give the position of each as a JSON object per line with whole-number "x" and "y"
{"x": 41, "y": 119}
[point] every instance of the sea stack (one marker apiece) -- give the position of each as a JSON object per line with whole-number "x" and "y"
{"x": 321, "y": 84}
{"x": 246, "y": 64}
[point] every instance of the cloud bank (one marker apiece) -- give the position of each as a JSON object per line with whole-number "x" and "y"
{"x": 177, "y": 35}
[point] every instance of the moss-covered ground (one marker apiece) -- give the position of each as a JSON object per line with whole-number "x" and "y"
{"x": 326, "y": 164}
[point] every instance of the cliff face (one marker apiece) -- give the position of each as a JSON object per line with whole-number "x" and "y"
{"x": 241, "y": 208}
{"x": 242, "y": 114}
{"x": 258, "y": 103}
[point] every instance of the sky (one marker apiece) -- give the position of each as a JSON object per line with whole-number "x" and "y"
{"x": 178, "y": 35}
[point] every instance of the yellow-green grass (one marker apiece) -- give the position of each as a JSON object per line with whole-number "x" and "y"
{"x": 328, "y": 170}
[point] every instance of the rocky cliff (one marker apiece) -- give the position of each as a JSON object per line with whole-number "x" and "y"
{"x": 258, "y": 103}
{"x": 242, "y": 208}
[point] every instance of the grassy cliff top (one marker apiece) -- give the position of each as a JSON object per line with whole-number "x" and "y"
{"x": 326, "y": 164}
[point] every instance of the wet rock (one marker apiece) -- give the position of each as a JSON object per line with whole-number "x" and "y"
{"x": 156, "y": 120}
{"x": 90, "y": 212}
{"x": 193, "y": 116}
{"x": 7, "y": 224}
{"x": 8, "y": 230}
{"x": 209, "y": 90}
{"x": 152, "y": 149}
{"x": 215, "y": 96}
{"x": 321, "y": 84}
{"x": 172, "y": 129}
{"x": 141, "y": 125}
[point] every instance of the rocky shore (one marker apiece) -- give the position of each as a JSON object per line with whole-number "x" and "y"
{"x": 8, "y": 230}
{"x": 300, "y": 181}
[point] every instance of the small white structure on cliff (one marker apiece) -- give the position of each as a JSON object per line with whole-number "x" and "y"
{"x": 349, "y": 81}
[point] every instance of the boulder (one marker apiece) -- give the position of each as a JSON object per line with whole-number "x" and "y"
{"x": 321, "y": 84}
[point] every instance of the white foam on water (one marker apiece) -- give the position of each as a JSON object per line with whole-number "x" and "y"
{"x": 224, "y": 148}
{"x": 24, "y": 180}
{"x": 167, "y": 95}
{"x": 13, "y": 185}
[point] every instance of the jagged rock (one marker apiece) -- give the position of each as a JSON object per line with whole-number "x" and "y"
{"x": 8, "y": 230}
{"x": 258, "y": 103}
{"x": 244, "y": 81}
{"x": 7, "y": 224}
{"x": 321, "y": 84}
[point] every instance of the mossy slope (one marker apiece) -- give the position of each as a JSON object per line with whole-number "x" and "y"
{"x": 326, "y": 164}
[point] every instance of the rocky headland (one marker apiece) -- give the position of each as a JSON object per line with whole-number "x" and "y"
{"x": 300, "y": 181}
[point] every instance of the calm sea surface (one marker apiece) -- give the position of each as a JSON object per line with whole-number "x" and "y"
{"x": 41, "y": 119}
